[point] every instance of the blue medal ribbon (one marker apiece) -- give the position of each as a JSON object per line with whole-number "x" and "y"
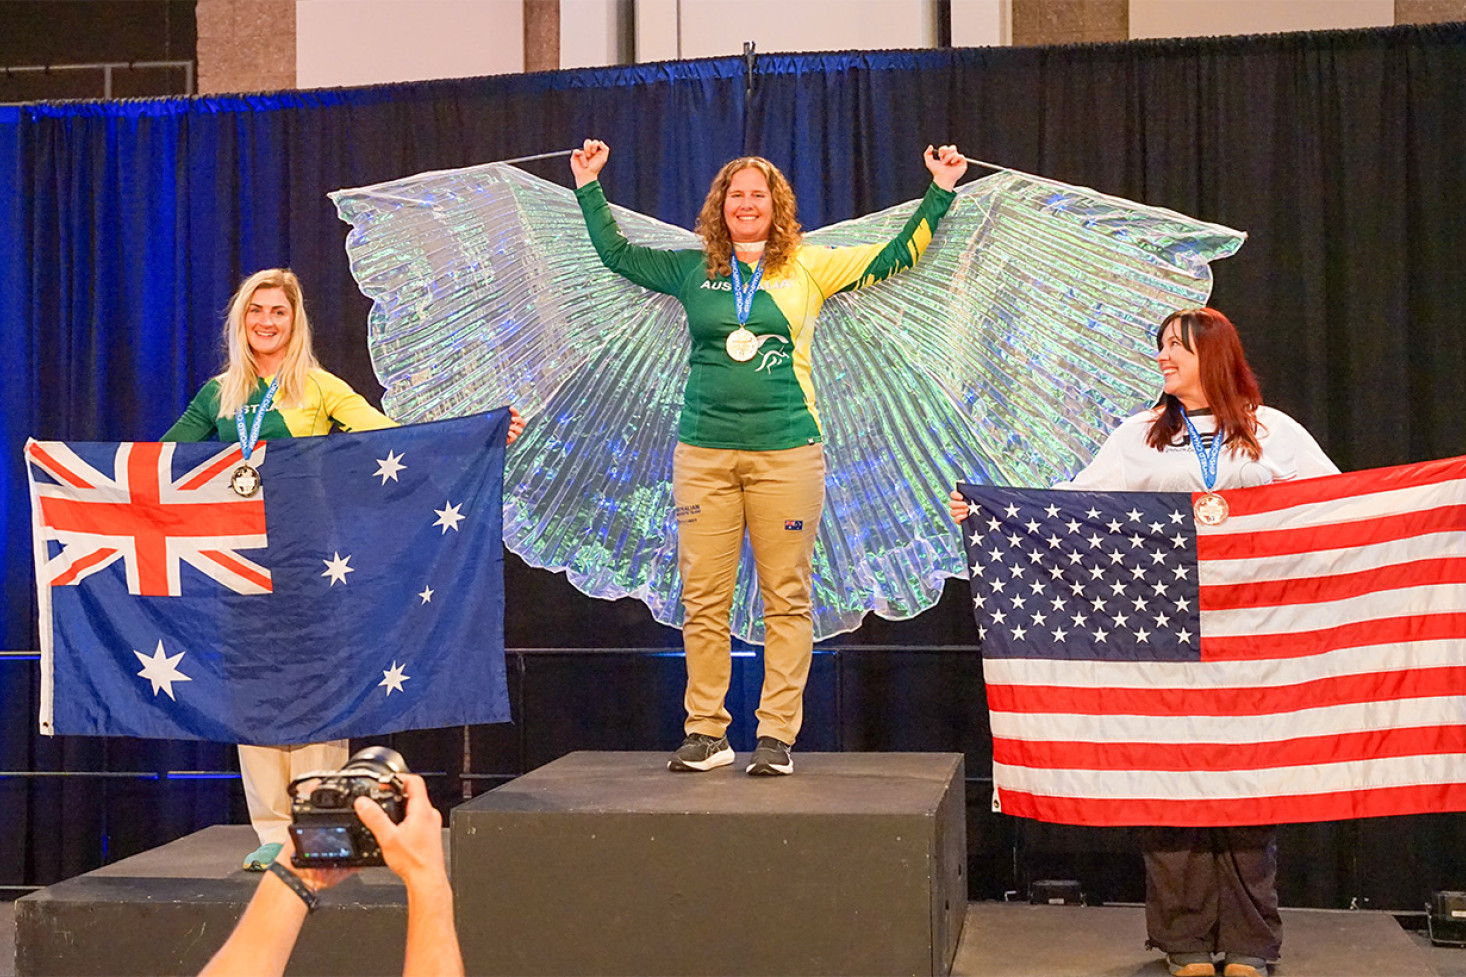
{"x": 1208, "y": 457}
{"x": 247, "y": 440}
{"x": 743, "y": 297}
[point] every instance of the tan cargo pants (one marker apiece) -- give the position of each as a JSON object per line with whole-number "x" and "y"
{"x": 777, "y": 496}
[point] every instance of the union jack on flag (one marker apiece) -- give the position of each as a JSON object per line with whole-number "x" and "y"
{"x": 148, "y": 518}
{"x": 1305, "y": 660}
{"x": 359, "y": 592}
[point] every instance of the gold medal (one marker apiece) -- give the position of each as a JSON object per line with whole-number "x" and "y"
{"x": 741, "y": 344}
{"x": 245, "y": 481}
{"x": 1210, "y": 509}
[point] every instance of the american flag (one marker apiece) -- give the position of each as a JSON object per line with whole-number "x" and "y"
{"x": 360, "y": 592}
{"x": 1305, "y": 660}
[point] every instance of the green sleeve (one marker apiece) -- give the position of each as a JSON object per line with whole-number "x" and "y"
{"x": 200, "y": 419}
{"x": 660, "y": 271}
{"x": 905, "y": 249}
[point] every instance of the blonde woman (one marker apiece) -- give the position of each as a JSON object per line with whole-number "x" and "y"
{"x": 749, "y": 453}
{"x": 271, "y": 363}
{"x": 272, "y": 388}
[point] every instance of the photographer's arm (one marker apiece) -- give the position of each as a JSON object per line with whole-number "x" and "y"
{"x": 262, "y": 940}
{"x": 414, "y": 850}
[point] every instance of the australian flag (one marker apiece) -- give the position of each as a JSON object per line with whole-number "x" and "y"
{"x": 359, "y": 591}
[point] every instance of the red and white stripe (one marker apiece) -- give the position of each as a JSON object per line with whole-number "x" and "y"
{"x": 1332, "y": 679}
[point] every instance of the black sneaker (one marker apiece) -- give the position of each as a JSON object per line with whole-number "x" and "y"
{"x": 771, "y": 758}
{"x": 701, "y": 752}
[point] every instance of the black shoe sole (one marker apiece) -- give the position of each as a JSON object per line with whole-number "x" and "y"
{"x": 769, "y": 769}
{"x": 722, "y": 759}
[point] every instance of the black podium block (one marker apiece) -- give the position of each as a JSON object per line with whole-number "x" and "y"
{"x": 606, "y": 863}
{"x": 167, "y": 910}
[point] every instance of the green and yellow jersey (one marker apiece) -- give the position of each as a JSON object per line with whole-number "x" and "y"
{"x": 328, "y": 400}
{"x": 768, "y": 402}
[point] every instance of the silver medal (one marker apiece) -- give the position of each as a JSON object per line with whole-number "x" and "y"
{"x": 245, "y": 481}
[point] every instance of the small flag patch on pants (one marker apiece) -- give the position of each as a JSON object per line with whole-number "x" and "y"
{"x": 794, "y": 525}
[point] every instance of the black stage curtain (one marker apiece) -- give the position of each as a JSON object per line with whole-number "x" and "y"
{"x": 126, "y": 225}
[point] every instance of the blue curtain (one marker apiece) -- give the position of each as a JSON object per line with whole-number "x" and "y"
{"x": 125, "y": 226}
{"x": 129, "y": 224}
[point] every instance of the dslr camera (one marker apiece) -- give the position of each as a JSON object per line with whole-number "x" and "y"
{"x": 324, "y": 827}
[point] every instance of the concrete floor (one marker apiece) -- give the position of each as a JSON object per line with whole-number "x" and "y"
{"x": 1017, "y": 940}
{"x": 1020, "y": 940}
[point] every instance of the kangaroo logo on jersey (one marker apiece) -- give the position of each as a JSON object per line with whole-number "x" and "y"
{"x": 770, "y": 358}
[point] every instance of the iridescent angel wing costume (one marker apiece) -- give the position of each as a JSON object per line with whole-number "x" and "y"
{"x": 1022, "y": 337}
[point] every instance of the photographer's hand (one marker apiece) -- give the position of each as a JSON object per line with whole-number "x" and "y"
{"x": 414, "y": 850}
{"x": 318, "y": 880}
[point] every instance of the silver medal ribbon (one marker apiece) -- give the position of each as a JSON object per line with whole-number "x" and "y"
{"x": 245, "y": 479}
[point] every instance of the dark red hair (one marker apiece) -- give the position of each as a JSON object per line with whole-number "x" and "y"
{"x": 1226, "y": 380}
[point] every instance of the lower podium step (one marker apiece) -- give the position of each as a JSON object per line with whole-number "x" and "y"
{"x": 167, "y": 910}
{"x": 607, "y": 863}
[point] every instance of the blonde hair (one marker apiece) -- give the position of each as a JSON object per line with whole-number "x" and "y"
{"x": 712, "y": 227}
{"x": 242, "y": 376}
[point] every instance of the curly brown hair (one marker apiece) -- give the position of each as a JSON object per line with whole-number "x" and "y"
{"x": 784, "y": 232}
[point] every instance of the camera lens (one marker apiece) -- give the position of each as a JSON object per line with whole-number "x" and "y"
{"x": 376, "y": 761}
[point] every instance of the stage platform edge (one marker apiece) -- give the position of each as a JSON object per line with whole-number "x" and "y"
{"x": 608, "y": 864}
{"x": 152, "y": 914}
{"x": 167, "y": 910}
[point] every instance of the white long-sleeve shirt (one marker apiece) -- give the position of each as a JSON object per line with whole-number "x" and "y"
{"x": 1125, "y": 463}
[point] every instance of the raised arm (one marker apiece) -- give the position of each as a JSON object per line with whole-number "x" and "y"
{"x": 587, "y": 162}
{"x": 946, "y": 165}
{"x": 660, "y": 271}
{"x": 843, "y": 269}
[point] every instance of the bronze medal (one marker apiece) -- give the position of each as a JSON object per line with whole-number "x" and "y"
{"x": 245, "y": 481}
{"x": 1210, "y": 509}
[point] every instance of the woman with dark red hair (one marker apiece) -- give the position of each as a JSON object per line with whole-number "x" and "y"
{"x": 1211, "y": 395}
{"x": 1210, "y": 890}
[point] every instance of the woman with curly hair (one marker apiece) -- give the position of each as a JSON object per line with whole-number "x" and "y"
{"x": 749, "y": 455}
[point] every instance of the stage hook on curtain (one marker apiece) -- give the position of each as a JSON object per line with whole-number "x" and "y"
{"x": 748, "y": 61}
